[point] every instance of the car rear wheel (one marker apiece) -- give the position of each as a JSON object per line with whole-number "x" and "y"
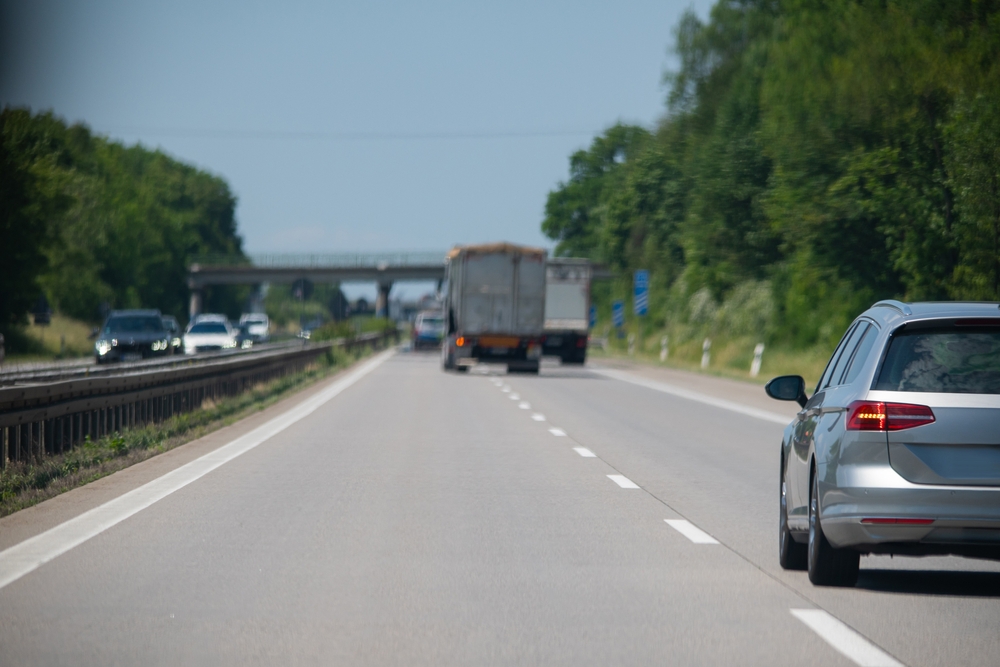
{"x": 828, "y": 566}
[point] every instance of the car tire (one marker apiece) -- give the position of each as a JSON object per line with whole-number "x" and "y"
{"x": 791, "y": 554}
{"x": 828, "y": 566}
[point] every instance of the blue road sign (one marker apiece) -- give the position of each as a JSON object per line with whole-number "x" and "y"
{"x": 618, "y": 313}
{"x": 640, "y": 299}
{"x": 593, "y": 316}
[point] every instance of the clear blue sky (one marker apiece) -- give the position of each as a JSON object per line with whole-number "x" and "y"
{"x": 353, "y": 126}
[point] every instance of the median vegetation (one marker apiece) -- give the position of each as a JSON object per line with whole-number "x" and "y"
{"x": 814, "y": 157}
{"x": 23, "y": 484}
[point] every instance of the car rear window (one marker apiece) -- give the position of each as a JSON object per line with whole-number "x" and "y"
{"x": 953, "y": 360}
{"x": 209, "y": 327}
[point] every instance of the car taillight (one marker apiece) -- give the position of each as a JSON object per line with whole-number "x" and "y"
{"x": 878, "y": 416}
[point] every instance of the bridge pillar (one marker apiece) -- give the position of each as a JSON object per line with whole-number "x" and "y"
{"x": 382, "y": 300}
{"x": 194, "y": 305}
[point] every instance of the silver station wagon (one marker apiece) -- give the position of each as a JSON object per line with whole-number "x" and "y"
{"x": 898, "y": 449}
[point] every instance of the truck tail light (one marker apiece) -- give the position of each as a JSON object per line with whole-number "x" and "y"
{"x": 878, "y": 416}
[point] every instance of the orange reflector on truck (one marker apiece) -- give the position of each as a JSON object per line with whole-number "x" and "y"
{"x": 460, "y": 341}
{"x": 499, "y": 341}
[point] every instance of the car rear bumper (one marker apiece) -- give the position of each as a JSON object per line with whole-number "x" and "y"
{"x": 855, "y": 511}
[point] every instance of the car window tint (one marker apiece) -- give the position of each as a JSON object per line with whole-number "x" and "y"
{"x": 134, "y": 324}
{"x": 860, "y": 355}
{"x": 953, "y": 360}
{"x": 824, "y": 379}
{"x": 845, "y": 355}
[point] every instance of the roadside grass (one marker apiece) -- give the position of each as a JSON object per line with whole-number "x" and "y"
{"x": 63, "y": 338}
{"x": 26, "y": 483}
{"x": 729, "y": 358}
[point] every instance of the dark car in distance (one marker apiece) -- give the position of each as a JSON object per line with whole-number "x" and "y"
{"x": 131, "y": 335}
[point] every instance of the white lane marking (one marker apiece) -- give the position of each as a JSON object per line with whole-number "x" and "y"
{"x": 505, "y": 389}
{"x": 695, "y": 396}
{"x": 514, "y": 397}
{"x": 538, "y": 417}
{"x": 844, "y": 639}
{"x": 34, "y": 552}
{"x": 524, "y": 405}
{"x": 584, "y": 452}
{"x": 623, "y": 481}
{"x": 690, "y": 531}
{"x": 558, "y": 432}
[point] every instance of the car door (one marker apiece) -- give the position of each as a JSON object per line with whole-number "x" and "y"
{"x": 809, "y": 420}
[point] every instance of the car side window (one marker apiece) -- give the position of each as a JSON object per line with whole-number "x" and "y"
{"x": 845, "y": 355}
{"x": 824, "y": 379}
{"x": 860, "y": 355}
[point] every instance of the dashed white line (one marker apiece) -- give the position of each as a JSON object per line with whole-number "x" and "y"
{"x": 514, "y": 397}
{"x": 524, "y": 405}
{"x": 584, "y": 452}
{"x": 844, "y": 639}
{"x": 538, "y": 417}
{"x": 558, "y": 432}
{"x": 623, "y": 481}
{"x": 505, "y": 389}
{"x": 690, "y": 531}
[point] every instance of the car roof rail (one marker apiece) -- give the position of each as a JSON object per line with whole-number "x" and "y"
{"x": 895, "y": 305}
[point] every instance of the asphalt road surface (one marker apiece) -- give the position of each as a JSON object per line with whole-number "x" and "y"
{"x": 398, "y": 515}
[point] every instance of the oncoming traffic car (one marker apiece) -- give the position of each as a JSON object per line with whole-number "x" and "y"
{"x": 131, "y": 335}
{"x": 898, "y": 450}
{"x": 208, "y": 333}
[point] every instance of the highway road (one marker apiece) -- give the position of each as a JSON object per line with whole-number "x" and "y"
{"x": 398, "y": 515}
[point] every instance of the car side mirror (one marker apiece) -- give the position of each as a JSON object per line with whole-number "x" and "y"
{"x": 788, "y": 388}
{"x": 94, "y": 332}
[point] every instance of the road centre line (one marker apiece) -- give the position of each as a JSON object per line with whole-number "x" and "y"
{"x": 514, "y": 397}
{"x": 505, "y": 389}
{"x": 846, "y": 640}
{"x": 558, "y": 432}
{"x": 766, "y": 415}
{"x": 538, "y": 417}
{"x": 585, "y": 453}
{"x": 623, "y": 481}
{"x": 524, "y": 405}
{"x": 27, "y": 556}
{"x": 690, "y": 531}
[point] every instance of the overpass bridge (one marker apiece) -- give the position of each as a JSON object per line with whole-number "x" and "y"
{"x": 383, "y": 269}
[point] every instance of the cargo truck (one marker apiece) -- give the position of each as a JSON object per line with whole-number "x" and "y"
{"x": 494, "y": 305}
{"x": 567, "y": 309}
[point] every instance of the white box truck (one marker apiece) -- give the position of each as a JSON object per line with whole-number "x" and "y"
{"x": 494, "y": 305}
{"x": 567, "y": 309}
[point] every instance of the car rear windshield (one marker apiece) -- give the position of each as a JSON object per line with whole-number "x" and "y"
{"x": 209, "y": 327}
{"x": 136, "y": 324}
{"x": 432, "y": 321}
{"x": 953, "y": 360}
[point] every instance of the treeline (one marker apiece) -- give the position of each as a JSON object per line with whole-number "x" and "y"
{"x": 90, "y": 223}
{"x": 815, "y": 156}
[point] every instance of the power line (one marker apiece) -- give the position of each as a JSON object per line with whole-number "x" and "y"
{"x": 195, "y": 133}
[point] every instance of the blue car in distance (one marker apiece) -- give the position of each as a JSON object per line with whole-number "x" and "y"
{"x": 428, "y": 330}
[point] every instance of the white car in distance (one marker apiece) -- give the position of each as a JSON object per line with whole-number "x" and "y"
{"x": 257, "y": 325}
{"x": 208, "y": 333}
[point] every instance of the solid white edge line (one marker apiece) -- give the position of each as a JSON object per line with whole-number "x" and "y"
{"x": 27, "y": 556}
{"x": 838, "y": 635}
{"x": 584, "y": 452}
{"x": 623, "y": 481}
{"x": 773, "y": 417}
{"x": 691, "y": 531}
{"x": 558, "y": 432}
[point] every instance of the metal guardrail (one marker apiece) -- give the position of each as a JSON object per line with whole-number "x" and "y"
{"x": 37, "y": 420}
{"x": 374, "y": 260}
{"x": 34, "y": 373}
